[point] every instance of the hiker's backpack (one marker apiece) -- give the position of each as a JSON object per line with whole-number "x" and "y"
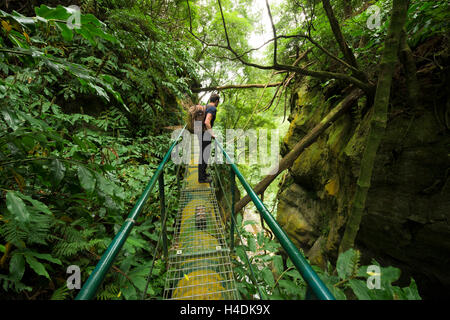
{"x": 196, "y": 113}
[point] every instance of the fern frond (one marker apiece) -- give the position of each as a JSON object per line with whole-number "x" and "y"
{"x": 110, "y": 292}
{"x": 355, "y": 263}
{"x": 60, "y": 293}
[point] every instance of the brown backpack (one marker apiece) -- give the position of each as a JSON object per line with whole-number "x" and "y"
{"x": 196, "y": 113}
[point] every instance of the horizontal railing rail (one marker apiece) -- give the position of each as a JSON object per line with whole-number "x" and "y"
{"x": 319, "y": 289}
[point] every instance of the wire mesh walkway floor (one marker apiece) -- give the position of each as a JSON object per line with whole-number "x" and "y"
{"x": 199, "y": 258}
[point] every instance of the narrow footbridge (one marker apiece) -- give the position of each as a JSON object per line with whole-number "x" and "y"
{"x": 199, "y": 258}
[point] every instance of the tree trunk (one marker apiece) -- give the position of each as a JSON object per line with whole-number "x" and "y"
{"x": 348, "y": 54}
{"x": 347, "y": 9}
{"x": 289, "y": 159}
{"x": 377, "y": 123}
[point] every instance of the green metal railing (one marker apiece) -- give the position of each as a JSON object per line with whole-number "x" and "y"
{"x": 94, "y": 281}
{"x": 316, "y": 287}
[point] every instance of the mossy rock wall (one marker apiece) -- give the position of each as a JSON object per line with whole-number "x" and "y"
{"x": 406, "y": 220}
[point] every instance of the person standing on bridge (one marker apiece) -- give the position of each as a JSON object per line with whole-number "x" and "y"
{"x": 205, "y": 142}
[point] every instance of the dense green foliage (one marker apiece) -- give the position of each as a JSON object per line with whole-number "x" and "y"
{"x": 82, "y": 121}
{"x": 75, "y": 146}
{"x": 281, "y": 281}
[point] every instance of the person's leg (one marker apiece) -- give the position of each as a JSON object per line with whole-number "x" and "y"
{"x": 204, "y": 157}
{"x": 200, "y": 170}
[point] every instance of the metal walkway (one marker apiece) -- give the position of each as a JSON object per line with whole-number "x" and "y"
{"x": 199, "y": 260}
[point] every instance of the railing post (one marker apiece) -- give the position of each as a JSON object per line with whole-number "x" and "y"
{"x": 232, "y": 188}
{"x": 163, "y": 214}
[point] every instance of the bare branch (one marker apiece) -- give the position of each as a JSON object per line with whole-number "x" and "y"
{"x": 224, "y": 24}
{"x": 190, "y": 17}
{"x": 348, "y": 54}
{"x": 237, "y": 86}
{"x": 274, "y": 34}
{"x": 325, "y": 75}
{"x": 305, "y": 142}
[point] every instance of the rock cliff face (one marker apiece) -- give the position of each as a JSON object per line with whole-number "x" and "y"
{"x": 406, "y": 220}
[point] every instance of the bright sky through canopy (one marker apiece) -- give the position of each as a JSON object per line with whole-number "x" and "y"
{"x": 258, "y": 37}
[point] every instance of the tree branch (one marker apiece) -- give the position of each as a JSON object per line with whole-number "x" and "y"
{"x": 237, "y": 86}
{"x": 325, "y": 75}
{"x": 190, "y": 16}
{"x": 289, "y": 159}
{"x": 224, "y": 24}
{"x": 275, "y": 42}
{"x": 348, "y": 54}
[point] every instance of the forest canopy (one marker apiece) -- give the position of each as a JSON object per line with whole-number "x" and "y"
{"x": 87, "y": 109}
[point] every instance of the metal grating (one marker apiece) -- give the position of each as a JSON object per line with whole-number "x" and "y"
{"x": 199, "y": 260}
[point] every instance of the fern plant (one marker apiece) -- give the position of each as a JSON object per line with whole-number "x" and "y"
{"x": 62, "y": 293}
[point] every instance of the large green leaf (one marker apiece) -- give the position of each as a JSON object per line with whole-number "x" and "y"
{"x": 140, "y": 283}
{"x": 346, "y": 263}
{"x": 17, "y": 207}
{"x": 99, "y": 90}
{"x": 17, "y": 266}
{"x": 136, "y": 242}
{"x": 252, "y": 244}
{"x": 59, "y": 13}
{"x": 87, "y": 35}
{"x": 41, "y": 207}
{"x": 411, "y": 292}
{"x": 360, "y": 289}
{"x": 289, "y": 286}
{"x": 104, "y": 185}
{"x": 87, "y": 179}
{"x": 10, "y": 118}
{"x": 44, "y": 256}
{"x": 66, "y": 32}
{"x": 337, "y": 293}
{"x": 129, "y": 292}
{"x": 389, "y": 275}
{"x": 38, "y": 267}
{"x": 57, "y": 171}
{"x": 278, "y": 264}
{"x": 268, "y": 277}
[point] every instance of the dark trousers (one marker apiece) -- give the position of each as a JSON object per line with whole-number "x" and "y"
{"x": 204, "y": 144}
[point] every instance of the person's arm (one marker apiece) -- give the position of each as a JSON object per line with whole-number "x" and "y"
{"x": 208, "y": 124}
